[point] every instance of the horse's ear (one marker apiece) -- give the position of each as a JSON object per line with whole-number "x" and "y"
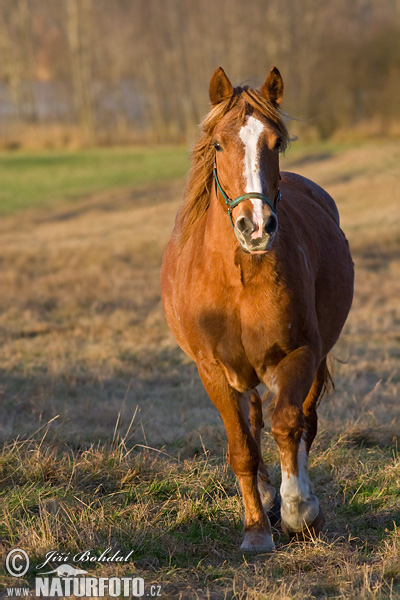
{"x": 220, "y": 87}
{"x": 273, "y": 87}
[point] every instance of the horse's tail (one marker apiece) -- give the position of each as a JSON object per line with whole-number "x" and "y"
{"x": 328, "y": 385}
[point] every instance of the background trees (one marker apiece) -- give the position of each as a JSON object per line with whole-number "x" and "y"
{"x": 134, "y": 70}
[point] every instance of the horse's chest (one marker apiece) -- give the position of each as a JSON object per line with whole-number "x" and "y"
{"x": 245, "y": 336}
{"x": 266, "y": 335}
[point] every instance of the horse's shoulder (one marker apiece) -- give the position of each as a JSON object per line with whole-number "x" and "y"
{"x": 313, "y": 190}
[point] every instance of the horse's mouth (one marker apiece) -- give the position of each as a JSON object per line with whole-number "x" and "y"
{"x": 258, "y": 249}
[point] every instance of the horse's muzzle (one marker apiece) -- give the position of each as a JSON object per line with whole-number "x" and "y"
{"x": 256, "y": 237}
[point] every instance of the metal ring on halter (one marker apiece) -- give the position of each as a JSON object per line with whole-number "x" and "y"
{"x": 232, "y": 203}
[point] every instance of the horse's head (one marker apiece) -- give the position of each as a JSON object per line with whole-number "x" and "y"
{"x": 247, "y": 140}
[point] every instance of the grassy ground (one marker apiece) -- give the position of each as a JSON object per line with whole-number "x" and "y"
{"x": 30, "y": 180}
{"x": 109, "y": 438}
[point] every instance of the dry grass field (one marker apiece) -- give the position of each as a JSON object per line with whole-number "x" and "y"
{"x": 110, "y": 439}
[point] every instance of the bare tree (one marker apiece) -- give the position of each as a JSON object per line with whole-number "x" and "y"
{"x": 79, "y": 25}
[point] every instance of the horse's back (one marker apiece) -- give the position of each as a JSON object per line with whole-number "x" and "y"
{"x": 313, "y": 190}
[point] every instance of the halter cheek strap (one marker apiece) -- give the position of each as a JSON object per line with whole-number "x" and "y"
{"x": 232, "y": 203}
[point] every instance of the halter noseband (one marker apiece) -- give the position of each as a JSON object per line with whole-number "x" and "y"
{"x": 232, "y": 203}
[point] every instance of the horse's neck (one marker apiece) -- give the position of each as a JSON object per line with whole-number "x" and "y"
{"x": 219, "y": 235}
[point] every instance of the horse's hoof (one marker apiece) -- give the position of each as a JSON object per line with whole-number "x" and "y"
{"x": 274, "y": 513}
{"x": 309, "y": 533}
{"x": 257, "y": 541}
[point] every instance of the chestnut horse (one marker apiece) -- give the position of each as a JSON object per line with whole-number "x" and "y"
{"x": 250, "y": 301}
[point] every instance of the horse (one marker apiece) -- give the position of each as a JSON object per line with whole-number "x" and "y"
{"x": 257, "y": 282}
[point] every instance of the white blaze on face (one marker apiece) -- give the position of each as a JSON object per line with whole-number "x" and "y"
{"x": 250, "y": 135}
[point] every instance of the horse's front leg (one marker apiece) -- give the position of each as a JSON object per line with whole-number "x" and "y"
{"x": 300, "y": 512}
{"x": 252, "y": 405}
{"x": 243, "y": 456}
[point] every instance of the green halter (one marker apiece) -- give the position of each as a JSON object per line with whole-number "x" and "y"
{"x": 232, "y": 203}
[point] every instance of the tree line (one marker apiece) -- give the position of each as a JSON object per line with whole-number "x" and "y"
{"x": 123, "y": 70}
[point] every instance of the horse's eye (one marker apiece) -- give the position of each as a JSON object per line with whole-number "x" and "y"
{"x": 278, "y": 144}
{"x": 217, "y": 147}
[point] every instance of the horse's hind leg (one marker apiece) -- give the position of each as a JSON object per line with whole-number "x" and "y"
{"x": 294, "y": 431}
{"x": 267, "y": 491}
{"x": 311, "y": 423}
{"x": 243, "y": 456}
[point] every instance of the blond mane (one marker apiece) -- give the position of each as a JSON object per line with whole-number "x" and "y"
{"x": 200, "y": 180}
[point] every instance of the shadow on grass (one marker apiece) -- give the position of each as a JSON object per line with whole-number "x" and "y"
{"x": 313, "y": 157}
{"x": 158, "y": 389}
{"x": 109, "y": 202}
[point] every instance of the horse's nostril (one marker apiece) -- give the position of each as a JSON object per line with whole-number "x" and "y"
{"x": 271, "y": 225}
{"x": 244, "y": 225}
